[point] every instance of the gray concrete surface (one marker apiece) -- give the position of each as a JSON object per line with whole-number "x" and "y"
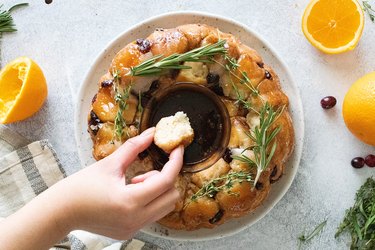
{"x": 64, "y": 38}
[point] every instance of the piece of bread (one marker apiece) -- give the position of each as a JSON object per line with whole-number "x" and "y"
{"x": 196, "y": 74}
{"x": 173, "y": 131}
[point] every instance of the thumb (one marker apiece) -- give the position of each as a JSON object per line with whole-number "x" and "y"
{"x": 129, "y": 151}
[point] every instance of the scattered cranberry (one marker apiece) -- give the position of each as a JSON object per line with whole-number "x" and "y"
{"x": 268, "y": 75}
{"x": 328, "y": 102}
{"x": 144, "y": 45}
{"x": 370, "y": 161}
{"x": 107, "y": 83}
{"x": 358, "y": 162}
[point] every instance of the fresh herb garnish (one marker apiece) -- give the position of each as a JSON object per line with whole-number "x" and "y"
{"x": 359, "y": 220}
{"x": 6, "y": 20}
{"x": 232, "y": 63}
{"x": 262, "y": 137}
{"x": 154, "y": 66}
{"x": 231, "y": 66}
{"x": 367, "y": 8}
{"x": 140, "y": 108}
{"x": 211, "y": 188}
{"x": 121, "y": 98}
{"x": 306, "y": 238}
{"x": 240, "y": 99}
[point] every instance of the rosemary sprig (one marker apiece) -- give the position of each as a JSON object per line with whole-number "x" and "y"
{"x": 371, "y": 12}
{"x": 306, "y": 238}
{"x": 211, "y": 188}
{"x": 140, "y": 108}
{"x": 231, "y": 66}
{"x": 154, "y": 66}
{"x": 121, "y": 97}
{"x": 232, "y": 63}
{"x": 262, "y": 137}
{"x": 359, "y": 220}
{"x": 240, "y": 99}
{"x": 6, "y": 20}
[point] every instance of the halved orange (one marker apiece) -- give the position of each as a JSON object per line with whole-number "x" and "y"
{"x": 333, "y": 26}
{"x": 23, "y": 90}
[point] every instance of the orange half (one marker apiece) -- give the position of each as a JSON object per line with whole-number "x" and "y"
{"x": 333, "y": 26}
{"x": 23, "y": 90}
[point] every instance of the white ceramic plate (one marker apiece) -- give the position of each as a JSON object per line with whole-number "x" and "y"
{"x": 248, "y": 37}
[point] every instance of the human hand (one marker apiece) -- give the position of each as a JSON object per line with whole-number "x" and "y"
{"x": 102, "y": 203}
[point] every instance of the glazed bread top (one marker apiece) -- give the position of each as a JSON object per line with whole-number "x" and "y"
{"x": 247, "y": 86}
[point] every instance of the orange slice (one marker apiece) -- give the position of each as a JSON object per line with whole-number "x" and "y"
{"x": 333, "y": 26}
{"x": 23, "y": 90}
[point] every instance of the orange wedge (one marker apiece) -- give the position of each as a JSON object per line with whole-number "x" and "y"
{"x": 23, "y": 90}
{"x": 333, "y": 26}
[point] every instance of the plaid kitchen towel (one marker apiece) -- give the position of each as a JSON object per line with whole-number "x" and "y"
{"x": 26, "y": 170}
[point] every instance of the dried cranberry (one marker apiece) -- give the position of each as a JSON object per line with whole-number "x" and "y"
{"x": 217, "y": 217}
{"x": 358, "y": 162}
{"x": 268, "y": 75}
{"x": 259, "y": 186}
{"x": 107, "y": 83}
{"x": 213, "y": 84}
{"x": 146, "y": 96}
{"x": 213, "y": 78}
{"x": 274, "y": 171}
{"x": 144, "y": 45}
{"x": 94, "y": 122}
{"x": 227, "y": 156}
{"x": 94, "y": 98}
{"x": 370, "y": 161}
{"x": 328, "y": 102}
{"x": 260, "y": 64}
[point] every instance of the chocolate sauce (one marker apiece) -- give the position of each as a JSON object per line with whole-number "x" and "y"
{"x": 204, "y": 116}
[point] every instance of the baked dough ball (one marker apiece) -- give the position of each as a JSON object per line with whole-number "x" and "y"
{"x": 213, "y": 196}
{"x": 173, "y": 131}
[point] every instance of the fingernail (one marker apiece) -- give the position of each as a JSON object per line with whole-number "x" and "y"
{"x": 148, "y": 132}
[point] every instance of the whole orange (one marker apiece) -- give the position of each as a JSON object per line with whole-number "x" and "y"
{"x": 359, "y": 109}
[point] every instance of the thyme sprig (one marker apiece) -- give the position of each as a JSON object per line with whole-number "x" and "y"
{"x": 121, "y": 98}
{"x": 140, "y": 108}
{"x": 262, "y": 137}
{"x": 157, "y": 65}
{"x": 6, "y": 20}
{"x": 306, "y": 238}
{"x": 371, "y": 12}
{"x": 211, "y": 188}
{"x": 359, "y": 220}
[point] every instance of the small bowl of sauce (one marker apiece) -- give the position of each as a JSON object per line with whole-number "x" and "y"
{"x": 208, "y": 117}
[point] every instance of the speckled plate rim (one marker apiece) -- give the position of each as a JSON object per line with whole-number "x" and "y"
{"x": 89, "y": 87}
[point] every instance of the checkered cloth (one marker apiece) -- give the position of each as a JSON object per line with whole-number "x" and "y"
{"x": 26, "y": 170}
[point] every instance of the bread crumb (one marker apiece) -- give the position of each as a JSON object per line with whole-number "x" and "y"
{"x": 173, "y": 131}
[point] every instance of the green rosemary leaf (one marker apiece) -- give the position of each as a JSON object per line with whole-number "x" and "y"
{"x": 306, "y": 238}
{"x": 17, "y": 6}
{"x": 140, "y": 108}
{"x": 359, "y": 220}
{"x": 156, "y": 65}
{"x": 6, "y": 20}
{"x": 121, "y": 97}
{"x": 211, "y": 188}
{"x": 262, "y": 136}
{"x": 371, "y": 12}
